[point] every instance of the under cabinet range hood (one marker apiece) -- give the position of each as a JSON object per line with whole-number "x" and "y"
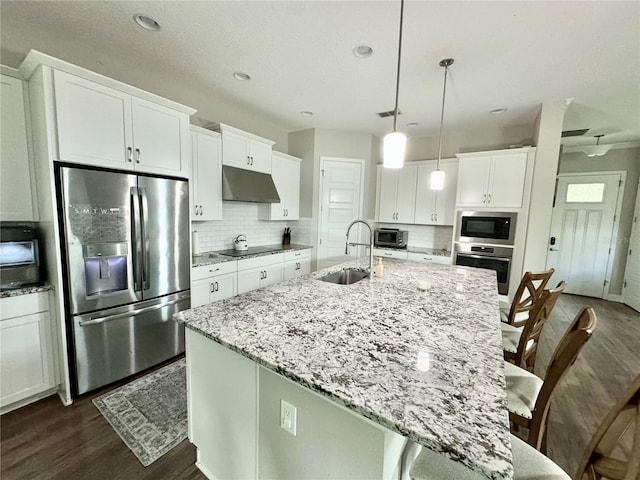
{"x": 242, "y": 185}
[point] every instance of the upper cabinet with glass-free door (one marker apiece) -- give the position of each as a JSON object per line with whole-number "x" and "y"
{"x": 436, "y": 207}
{"x": 245, "y": 150}
{"x": 285, "y": 171}
{"x": 396, "y": 194}
{"x": 492, "y": 179}
{"x": 106, "y": 127}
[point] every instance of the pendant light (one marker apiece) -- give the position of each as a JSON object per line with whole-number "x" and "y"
{"x": 437, "y": 176}
{"x": 596, "y": 150}
{"x": 395, "y": 143}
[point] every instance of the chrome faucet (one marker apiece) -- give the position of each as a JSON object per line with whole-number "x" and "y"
{"x": 370, "y": 244}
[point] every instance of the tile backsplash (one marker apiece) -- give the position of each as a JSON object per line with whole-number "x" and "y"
{"x": 426, "y": 236}
{"x": 242, "y": 218}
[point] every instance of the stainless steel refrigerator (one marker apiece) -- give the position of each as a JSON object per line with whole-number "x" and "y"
{"x": 126, "y": 247}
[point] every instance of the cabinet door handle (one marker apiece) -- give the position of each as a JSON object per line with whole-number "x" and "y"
{"x": 389, "y": 254}
{"x": 436, "y": 215}
{"x": 265, "y": 274}
{"x": 484, "y": 198}
{"x": 217, "y": 287}
{"x": 489, "y": 198}
{"x": 212, "y": 289}
{"x": 432, "y": 217}
{"x": 196, "y": 212}
{"x": 211, "y": 271}
{"x": 200, "y": 209}
{"x": 129, "y": 154}
{"x": 251, "y": 160}
{"x": 137, "y": 155}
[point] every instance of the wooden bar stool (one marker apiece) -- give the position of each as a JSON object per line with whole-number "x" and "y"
{"x": 531, "y": 287}
{"x": 528, "y": 464}
{"x": 528, "y": 396}
{"x": 599, "y": 459}
{"x": 521, "y": 347}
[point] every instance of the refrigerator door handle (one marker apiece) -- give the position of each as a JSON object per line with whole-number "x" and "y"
{"x": 131, "y": 313}
{"x": 136, "y": 240}
{"x": 146, "y": 261}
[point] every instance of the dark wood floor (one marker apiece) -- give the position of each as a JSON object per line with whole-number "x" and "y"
{"x": 605, "y": 368}
{"x": 48, "y": 440}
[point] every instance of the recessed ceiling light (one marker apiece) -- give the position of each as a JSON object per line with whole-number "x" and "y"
{"x": 363, "y": 51}
{"x": 306, "y": 113}
{"x": 498, "y": 111}
{"x": 412, "y": 124}
{"x": 146, "y": 22}
{"x": 241, "y": 76}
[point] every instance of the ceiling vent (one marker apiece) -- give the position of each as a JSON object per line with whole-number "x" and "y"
{"x": 388, "y": 114}
{"x": 574, "y": 133}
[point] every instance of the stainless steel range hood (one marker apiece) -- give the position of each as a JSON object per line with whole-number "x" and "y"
{"x": 247, "y": 186}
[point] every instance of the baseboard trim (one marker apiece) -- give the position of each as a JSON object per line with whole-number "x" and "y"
{"x": 615, "y": 298}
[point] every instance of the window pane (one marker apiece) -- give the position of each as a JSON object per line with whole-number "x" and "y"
{"x": 585, "y": 192}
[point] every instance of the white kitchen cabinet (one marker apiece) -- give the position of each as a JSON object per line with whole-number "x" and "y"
{"x": 105, "y": 127}
{"x": 422, "y": 257}
{"x": 16, "y": 201}
{"x": 258, "y": 272}
{"x": 297, "y": 263}
{"x": 210, "y": 283}
{"x": 26, "y": 349}
{"x": 285, "y": 171}
{"x": 436, "y": 207}
{"x": 388, "y": 253}
{"x": 206, "y": 172}
{"x": 245, "y": 150}
{"x": 491, "y": 180}
{"x": 396, "y": 194}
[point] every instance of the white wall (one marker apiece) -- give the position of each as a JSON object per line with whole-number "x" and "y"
{"x": 478, "y": 138}
{"x": 627, "y": 159}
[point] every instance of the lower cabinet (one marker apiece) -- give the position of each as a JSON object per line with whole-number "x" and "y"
{"x": 26, "y": 348}
{"x": 422, "y": 257}
{"x": 383, "y": 252}
{"x": 297, "y": 263}
{"x": 260, "y": 272}
{"x": 211, "y": 283}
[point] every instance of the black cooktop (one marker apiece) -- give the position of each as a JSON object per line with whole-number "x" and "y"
{"x": 242, "y": 253}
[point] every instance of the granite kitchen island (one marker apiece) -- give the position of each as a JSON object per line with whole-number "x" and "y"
{"x": 367, "y": 366}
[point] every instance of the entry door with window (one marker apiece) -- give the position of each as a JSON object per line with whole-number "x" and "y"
{"x": 631, "y": 289}
{"x": 580, "y": 247}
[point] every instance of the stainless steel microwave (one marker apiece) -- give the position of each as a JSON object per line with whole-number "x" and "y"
{"x": 391, "y": 237}
{"x": 486, "y": 227}
{"x": 19, "y": 256}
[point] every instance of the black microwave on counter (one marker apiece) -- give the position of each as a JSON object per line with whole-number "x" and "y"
{"x": 19, "y": 256}
{"x": 391, "y": 237}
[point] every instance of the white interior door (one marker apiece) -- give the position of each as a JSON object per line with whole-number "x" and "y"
{"x": 340, "y": 204}
{"x": 582, "y": 231}
{"x": 631, "y": 290}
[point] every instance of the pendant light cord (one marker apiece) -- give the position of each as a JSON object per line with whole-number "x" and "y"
{"x": 444, "y": 92}
{"x": 395, "y": 111}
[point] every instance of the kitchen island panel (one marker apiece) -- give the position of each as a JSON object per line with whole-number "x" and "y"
{"x": 364, "y": 346}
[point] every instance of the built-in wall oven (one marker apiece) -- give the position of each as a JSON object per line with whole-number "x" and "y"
{"x": 489, "y": 257}
{"x": 486, "y": 227}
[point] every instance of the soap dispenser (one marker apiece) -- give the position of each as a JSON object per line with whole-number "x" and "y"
{"x": 379, "y": 269}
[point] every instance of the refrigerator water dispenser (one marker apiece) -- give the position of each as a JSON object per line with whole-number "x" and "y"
{"x": 105, "y": 268}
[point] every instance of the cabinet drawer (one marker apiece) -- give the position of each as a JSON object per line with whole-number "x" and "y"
{"x": 21, "y": 305}
{"x": 258, "y": 262}
{"x": 381, "y": 252}
{"x": 423, "y": 257}
{"x": 198, "y": 273}
{"x": 297, "y": 255}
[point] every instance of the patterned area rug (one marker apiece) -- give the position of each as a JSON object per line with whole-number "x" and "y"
{"x": 150, "y": 413}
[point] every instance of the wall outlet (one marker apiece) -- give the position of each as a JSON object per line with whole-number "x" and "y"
{"x": 288, "y": 414}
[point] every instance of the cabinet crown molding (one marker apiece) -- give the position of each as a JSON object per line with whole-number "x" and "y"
{"x": 506, "y": 151}
{"x": 222, "y": 127}
{"x": 36, "y": 59}
{"x": 205, "y": 131}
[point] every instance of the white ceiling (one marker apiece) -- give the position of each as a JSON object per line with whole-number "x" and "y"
{"x": 514, "y": 55}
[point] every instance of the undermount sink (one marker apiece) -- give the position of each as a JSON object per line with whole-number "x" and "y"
{"x": 346, "y": 276}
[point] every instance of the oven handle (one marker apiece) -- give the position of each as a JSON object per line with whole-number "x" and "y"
{"x": 480, "y": 257}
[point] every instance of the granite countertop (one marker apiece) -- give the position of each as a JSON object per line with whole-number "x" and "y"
{"x": 15, "y": 292}
{"x": 436, "y": 252}
{"x": 211, "y": 258}
{"x": 363, "y": 346}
